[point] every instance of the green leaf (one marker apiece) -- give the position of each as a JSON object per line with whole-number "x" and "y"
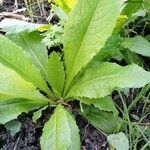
{"x": 99, "y": 81}
{"x": 103, "y": 104}
{"x": 105, "y": 121}
{"x": 11, "y": 26}
{"x": 60, "y": 132}
{"x": 56, "y": 74}
{"x": 120, "y": 22}
{"x": 37, "y": 114}
{"x": 110, "y": 49}
{"x": 140, "y": 13}
{"x": 89, "y": 20}
{"x": 3, "y": 97}
{"x": 62, "y": 15}
{"x": 138, "y": 45}
{"x": 146, "y": 4}
{"x": 32, "y": 43}
{"x": 11, "y": 84}
{"x": 15, "y": 58}
{"x": 13, "y": 127}
{"x": 132, "y": 58}
{"x": 54, "y": 37}
{"x": 118, "y": 141}
{"x": 131, "y": 7}
{"x": 11, "y": 108}
{"x": 66, "y": 5}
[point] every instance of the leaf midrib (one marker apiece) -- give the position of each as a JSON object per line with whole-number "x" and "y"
{"x": 34, "y": 54}
{"x": 30, "y": 77}
{"x": 84, "y": 35}
{"x": 137, "y": 43}
{"x": 97, "y": 79}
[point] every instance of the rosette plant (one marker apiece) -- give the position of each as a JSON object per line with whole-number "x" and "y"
{"x": 30, "y": 79}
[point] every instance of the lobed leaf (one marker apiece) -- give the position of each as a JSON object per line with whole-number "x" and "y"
{"x": 99, "y": 81}
{"x": 88, "y": 27}
{"x": 60, "y": 132}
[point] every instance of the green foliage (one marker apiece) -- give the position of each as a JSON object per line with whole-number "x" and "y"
{"x": 99, "y": 81}
{"x": 138, "y": 45}
{"x": 105, "y": 121}
{"x": 80, "y": 46}
{"x": 118, "y": 141}
{"x": 103, "y": 104}
{"x": 90, "y": 37}
{"x": 13, "y": 85}
{"x": 12, "y": 26}
{"x": 60, "y": 132}
{"x": 13, "y": 126}
{"x": 37, "y": 114}
{"x": 131, "y": 7}
{"x": 31, "y": 43}
{"x": 56, "y": 74}
{"x": 66, "y": 5}
{"x": 11, "y": 108}
{"x": 54, "y": 37}
{"x": 23, "y": 65}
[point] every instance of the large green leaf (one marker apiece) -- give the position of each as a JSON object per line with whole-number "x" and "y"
{"x": 89, "y": 26}
{"x": 105, "y": 121}
{"x": 11, "y": 108}
{"x": 99, "y": 81}
{"x": 103, "y": 104}
{"x": 60, "y": 132}
{"x": 14, "y": 57}
{"x": 12, "y": 26}
{"x": 32, "y": 43}
{"x": 11, "y": 84}
{"x": 138, "y": 45}
{"x": 56, "y": 74}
